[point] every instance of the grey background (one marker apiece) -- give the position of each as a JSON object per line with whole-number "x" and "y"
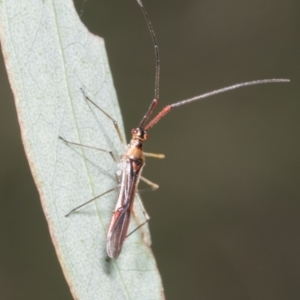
{"x": 225, "y": 221}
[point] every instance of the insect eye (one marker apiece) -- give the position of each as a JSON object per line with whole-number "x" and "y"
{"x": 133, "y": 131}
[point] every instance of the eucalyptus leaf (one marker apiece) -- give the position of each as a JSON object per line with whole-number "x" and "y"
{"x": 50, "y": 56}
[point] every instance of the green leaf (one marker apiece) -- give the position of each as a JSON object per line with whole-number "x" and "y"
{"x": 50, "y": 56}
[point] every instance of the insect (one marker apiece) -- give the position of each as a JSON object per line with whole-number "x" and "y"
{"x": 133, "y": 160}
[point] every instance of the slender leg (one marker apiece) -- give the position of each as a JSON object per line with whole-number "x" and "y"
{"x": 83, "y": 204}
{"x": 113, "y": 120}
{"x": 99, "y": 149}
{"x": 115, "y": 125}
{"x": 154, "y": 155}
{"x": 147, "y": 217}
{"x": 91, "y": 147}
{"x": 153, "y": 185}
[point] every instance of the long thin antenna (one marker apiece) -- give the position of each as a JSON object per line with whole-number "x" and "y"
{"x": 157, "y": 60}
{"x": 168, "y": 108}
{"x": 148, "y": 113}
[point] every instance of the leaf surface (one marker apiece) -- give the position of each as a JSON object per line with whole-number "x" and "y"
{"x": 50, "y": 56}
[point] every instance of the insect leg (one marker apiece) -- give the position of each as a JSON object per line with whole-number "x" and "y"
{"x": 91, "y": 147}
{"x": 83, "y": 204}
{"x": 105, "y": 113}
{"x": 99, "y": 149}
{"x": 153, "y": 185}
{"x": 147, "y": 217}
{"x": 154, "y": 155}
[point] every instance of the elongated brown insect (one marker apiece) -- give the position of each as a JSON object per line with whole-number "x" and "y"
{"x": 132, "y": 162}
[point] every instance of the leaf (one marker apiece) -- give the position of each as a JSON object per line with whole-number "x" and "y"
{"x": 50, "y": 56}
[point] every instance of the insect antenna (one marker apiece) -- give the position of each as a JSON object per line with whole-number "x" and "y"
{"x": 157, "y": 66}
{"x": 168, "y": 108}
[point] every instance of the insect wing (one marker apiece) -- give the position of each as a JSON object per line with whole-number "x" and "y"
{"x": 117, "y": 233}
{"x": 120, "y": 220}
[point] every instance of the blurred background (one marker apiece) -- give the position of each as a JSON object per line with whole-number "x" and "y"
{"x": 225, "y": 221}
